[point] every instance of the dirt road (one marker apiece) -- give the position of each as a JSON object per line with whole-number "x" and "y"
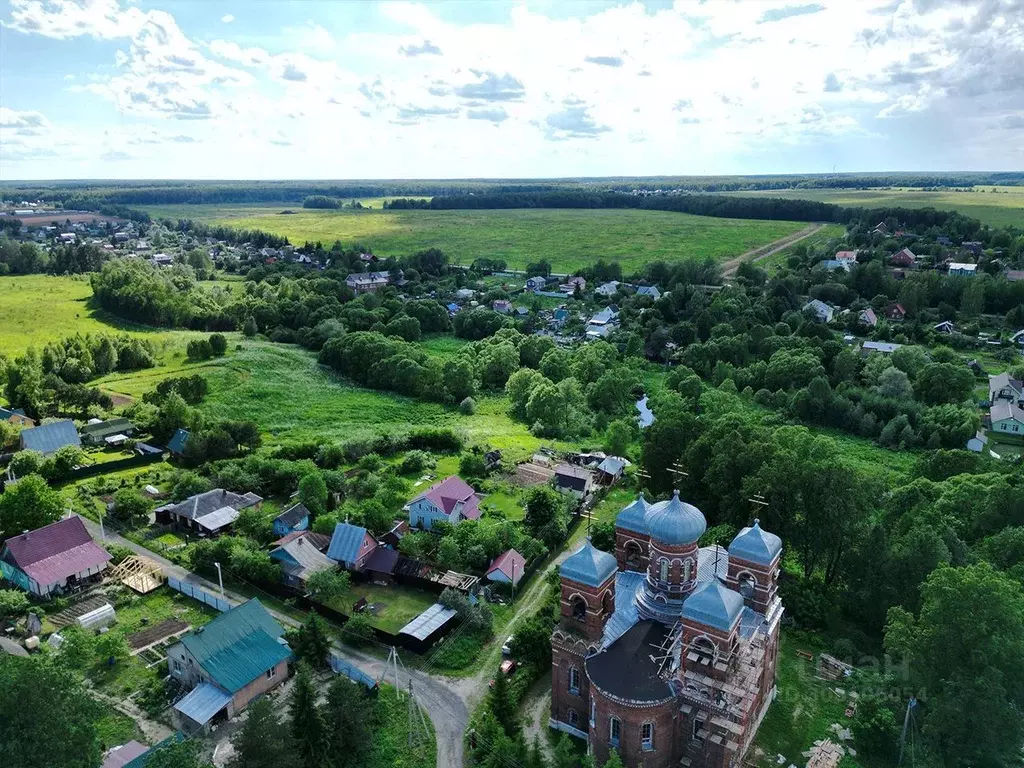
{"x": 729, "y": 267}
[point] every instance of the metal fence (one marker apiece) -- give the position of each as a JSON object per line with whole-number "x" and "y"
{"x": 352, "y": 672}
{"x": 198, "y": 593}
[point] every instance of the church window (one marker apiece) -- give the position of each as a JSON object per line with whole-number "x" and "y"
{"x": 574, "y": 681}
{"x": 647, "y": 737}
{"x": 663, "y": 569}
{"x": 614, "y": 731}
{"x": 579, "y": 608}
{"x": 574, "y": 718}
{"x": 747, "y": 585}
{"x": 686, "y": 569}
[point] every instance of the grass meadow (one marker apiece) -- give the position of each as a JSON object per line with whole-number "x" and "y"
{"x": 998, "y": 206}
{"x": 569, "y": 239}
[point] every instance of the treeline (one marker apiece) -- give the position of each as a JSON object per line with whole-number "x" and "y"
{"x": 321, "y": 201}
{"x": 89, "y": 194}
{"x": 27, "y": 258}
{"x": 770, "y": 208}
{"x": 256, "y": 237}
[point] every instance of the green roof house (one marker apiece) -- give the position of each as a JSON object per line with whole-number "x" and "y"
{"x": 238, "y": 656}
{"x": 98, "y": 433}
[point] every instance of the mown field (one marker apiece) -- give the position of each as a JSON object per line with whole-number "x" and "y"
{"x": 35, "y": 309}
{"x": 569, "y": 239}
{"x": 998, "y": 206}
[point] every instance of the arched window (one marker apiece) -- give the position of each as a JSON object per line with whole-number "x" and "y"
{"x": 574, "y": 681}
{"x": 704, "y": 649}
{"x": 633, "y": 554}
{"x": 593, "y": 712}
{"x": 579, "y": 608}
{"x": 647, "y": 737}
{"x": 608, "y": 602}
{"x": 614, "y": 731}
{"x": 663, "y": 569}
{"x": 748, "y": 584}
{"x": 686, "y": 569}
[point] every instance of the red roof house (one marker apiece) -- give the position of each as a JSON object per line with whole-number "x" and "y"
{"x": 895, "y": 311}
{"x": 904, "y": 258}
{"x": 507, "y": 567}
{"x": 54, "y": 558}
{"x": 452, "y": 500}
{"x": 849, "y": 257}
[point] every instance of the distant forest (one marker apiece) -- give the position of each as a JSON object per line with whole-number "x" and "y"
{"x": 93, "y": 194}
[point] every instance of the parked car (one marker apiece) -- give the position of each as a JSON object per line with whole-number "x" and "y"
{"x": 506, "y": 649}
{"x": 506, "y": 669}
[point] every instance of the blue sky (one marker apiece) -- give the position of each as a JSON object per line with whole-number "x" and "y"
{"x": 118, "y": 89}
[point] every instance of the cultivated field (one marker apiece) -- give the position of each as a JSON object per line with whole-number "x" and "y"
{"x": 998, "y": 206}
{"x": 569, "y": 239}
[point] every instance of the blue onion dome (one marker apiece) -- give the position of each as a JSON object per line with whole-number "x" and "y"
{"x": 632, "y": 517}
{"x": 714, "y": 605}
{"x": 675, "y": 522}
{"x": 588, "y": 565}
{"x": 756, "y": 545}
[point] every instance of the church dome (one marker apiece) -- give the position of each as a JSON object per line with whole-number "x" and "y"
{"x": 714, "y": 605}
{"x": 756, "y": 545}
{"x": 588, "y": 565}
{"x": 675, "y": 522}
{"x": 631, "y": 517}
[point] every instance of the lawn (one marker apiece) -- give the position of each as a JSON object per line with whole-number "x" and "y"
{"x": 36, "y": 309}
{"x": 569, "y": 239}
{"x": 777, "y": 260}
{"x": 998, "y": 206}
{"x": 390, "y": 607}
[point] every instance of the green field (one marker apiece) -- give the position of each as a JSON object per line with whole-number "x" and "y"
{"x": 1001, "y": 207}
{"x": 36, "y": 309}
{"x": 777, "y": 260}
{"x": 569, "y": 239}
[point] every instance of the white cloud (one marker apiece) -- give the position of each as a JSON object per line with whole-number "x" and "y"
{"x": 227, "y": 18}
{"x": 642, "y": 85}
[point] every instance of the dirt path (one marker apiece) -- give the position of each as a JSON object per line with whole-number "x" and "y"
{"x": 729, "y": 267}
{"x": 536, "y": 711}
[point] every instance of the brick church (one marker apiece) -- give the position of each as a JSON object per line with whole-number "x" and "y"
{"x": 665, "y": 650}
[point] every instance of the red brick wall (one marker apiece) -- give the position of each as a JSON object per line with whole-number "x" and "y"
{"x": 664, "y": 717}
{"x": 622, "y": 537}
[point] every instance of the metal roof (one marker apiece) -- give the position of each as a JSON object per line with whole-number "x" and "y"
{"x": 52, "y": 553}
{"x": 49, "y": 437}
{"x": 110, "y": 427}
{"x": 238, "y": 646}
{"x": 292, "y": 515}
{"x": 304, "y": 555}
{"x": 345, "y": 542}
{"x": 714, "y": 605}
{"x": 632, "y": 517}
{"x": 203, "y": 702}
{"x": 588, "y": 565}
{"x": 213, "y": 521}
{"x": 428, "y": 622}
{"x": 120, "y": 756}
{"x": 177, "y": 443}
{"x": 756, "y": 545}
{"x": 674, "y": 521}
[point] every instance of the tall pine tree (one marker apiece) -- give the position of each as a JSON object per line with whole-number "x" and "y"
{"x": 348, "y": 715}
{"x": 264, "y": 741}
{"x": 308, "y": 726}
{"x": 502, "y": 705}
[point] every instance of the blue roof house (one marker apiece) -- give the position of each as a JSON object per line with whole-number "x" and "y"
{"x": 176, "y": 444}
{"x": 295, "y": 518}
{"x": 49, "y": 438}
{"x": 351, "y": 546}
{"x": 238, "y": 656}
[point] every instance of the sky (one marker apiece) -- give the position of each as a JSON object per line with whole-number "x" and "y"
{"x": 540, "y": 88}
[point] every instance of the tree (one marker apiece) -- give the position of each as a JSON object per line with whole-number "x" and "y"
{"x": 468, "y": 406}
{"x": 939, "y": 383}
{"x": 459, "y": 379}
{"x": 556, "y": 365}
{"x": 519, "y": 387}
{"x": 13, "y": 603}
{"x": 964, "y": 648}
{"x": 313, "y": 493}
{"x": 619, "y": 435}
{"x": 263, "y": 741}
{"x": 131, "y": 507}
{"x": 328, "y": 585}
{"x": 472, "y": 464}
{"x": 895, "y": 384}
{"x": 218, "y": 344}
{"x": 312, "y": 644}
{"x": 58, "y": 730}
{"x": 25, "y": 463}
{"x": 545, "y": 516}
{"x": 564, "y": 755}
{"x": 249, "y": 327}
{"x": 199, "y": 349}
{"x": 28, "y": 504}
{"x": 501, "y": 704}
{"x": 349, "y": 718}
{"x": 532, "y": 641}
{"x": 307, "y": 721}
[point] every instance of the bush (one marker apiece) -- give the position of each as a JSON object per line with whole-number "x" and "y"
{"x": 358, "y": 630}
{"x": 218, "y": 344}
{"x": 467, "y": 407}
{"x": 199, "y": 349}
